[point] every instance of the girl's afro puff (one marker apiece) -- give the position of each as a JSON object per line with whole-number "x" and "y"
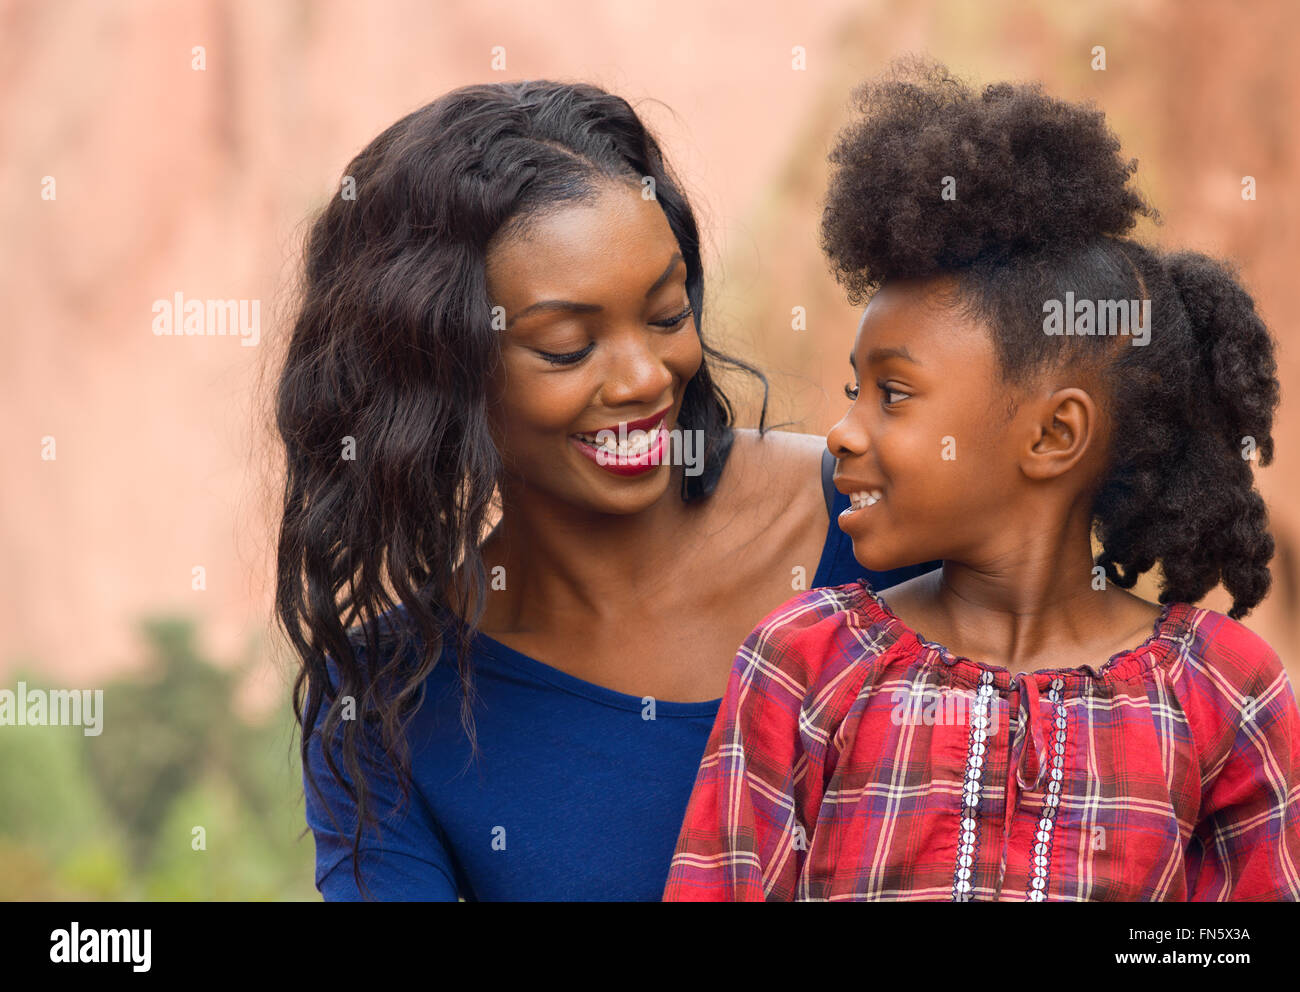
{"x": 934, "y": 177}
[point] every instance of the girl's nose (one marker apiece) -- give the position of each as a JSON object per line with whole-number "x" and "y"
{"x": 848, "y": 438}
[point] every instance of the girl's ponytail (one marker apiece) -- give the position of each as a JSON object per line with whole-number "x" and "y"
{"x": 1182, "y": 491}
{"x": 1236, "y": 352}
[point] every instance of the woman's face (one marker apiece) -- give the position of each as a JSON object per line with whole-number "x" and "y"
{"x": 928, "y": 435}
{"x": 599, "y": 335}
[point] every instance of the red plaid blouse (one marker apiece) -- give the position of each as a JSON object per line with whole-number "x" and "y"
{"x": 851, "y": 759}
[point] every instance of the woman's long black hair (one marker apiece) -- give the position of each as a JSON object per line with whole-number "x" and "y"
{"x": 382, "y": 399}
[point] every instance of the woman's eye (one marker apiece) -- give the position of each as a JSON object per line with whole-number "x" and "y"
{"x": 573, "y": 357}
{"x": 569, "y": 357}
{"x": 673, "y": 323}
{"x": 851, "y": 391}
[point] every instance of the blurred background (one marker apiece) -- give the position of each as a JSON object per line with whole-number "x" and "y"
{"x": 139, "y": 505}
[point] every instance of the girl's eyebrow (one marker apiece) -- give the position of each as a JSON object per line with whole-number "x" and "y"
{"x": 545, "y": 305}
{"x": 876, "y": 355}
{"x": 880, "y": 354}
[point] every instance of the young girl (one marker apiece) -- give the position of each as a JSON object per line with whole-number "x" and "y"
{"x": 1017, "y": 725}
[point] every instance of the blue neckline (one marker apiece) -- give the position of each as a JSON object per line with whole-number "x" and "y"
{"x": 590, "y": 690}
{"x": 621, "y": 700}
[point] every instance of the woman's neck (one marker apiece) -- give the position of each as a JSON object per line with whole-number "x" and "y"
{"x": 550, "y": 562}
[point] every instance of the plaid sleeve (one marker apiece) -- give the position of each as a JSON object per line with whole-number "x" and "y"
{"x": 747, "y": 827}
{"x": 1247, "y": 843}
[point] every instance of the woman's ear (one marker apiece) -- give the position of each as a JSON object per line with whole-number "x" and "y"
{"x": 1063, "y": 433}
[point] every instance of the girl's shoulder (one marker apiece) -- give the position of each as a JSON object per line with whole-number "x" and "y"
{"x": 1234, "y": 692}
{"x": 816, "y": 637}
{"x": 1215, "y": 665}
{"x": 1226, "y": 655}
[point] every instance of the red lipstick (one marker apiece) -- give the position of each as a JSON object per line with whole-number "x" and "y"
{"x": 634, "y": 464}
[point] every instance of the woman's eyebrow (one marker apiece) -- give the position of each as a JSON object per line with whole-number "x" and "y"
{"x": 672, "y": 266}
{"x": 546, "y": 305}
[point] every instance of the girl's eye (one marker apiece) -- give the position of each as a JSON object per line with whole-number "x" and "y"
{"x": 890, "y": 394}
{"x": 568, "y": 358}
{"x": 673, "y": 323}
{"x": 851, "y": 391}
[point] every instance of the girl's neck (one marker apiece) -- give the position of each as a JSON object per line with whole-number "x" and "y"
{"x": 1036, "y": 602}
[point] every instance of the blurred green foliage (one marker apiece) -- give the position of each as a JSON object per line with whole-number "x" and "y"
{"x": 114, "y": 816}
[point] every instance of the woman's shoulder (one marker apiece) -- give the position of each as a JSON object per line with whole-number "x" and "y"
{"x": 388, "y": 646}
{"x": 779, "y": 474}
{"x": 792, "y": 454}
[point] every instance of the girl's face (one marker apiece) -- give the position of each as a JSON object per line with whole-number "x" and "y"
{"x": 929, "y": 438}
{"x": 599, "y": 333}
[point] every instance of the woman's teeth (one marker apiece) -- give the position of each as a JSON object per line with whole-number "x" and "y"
{"x": 638, "y": 442}
{"x": 862, "y": 500}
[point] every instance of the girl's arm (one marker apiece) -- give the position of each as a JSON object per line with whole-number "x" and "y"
{"x": 749, "y": 822}
{"x": 1247, "y": 843}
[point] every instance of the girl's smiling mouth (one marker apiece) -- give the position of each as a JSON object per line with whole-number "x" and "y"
{"x": 863, "y": 498}
{"x": 862, "y": 495}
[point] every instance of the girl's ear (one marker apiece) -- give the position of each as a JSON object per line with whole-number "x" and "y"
{"x": 1063, "y": 433}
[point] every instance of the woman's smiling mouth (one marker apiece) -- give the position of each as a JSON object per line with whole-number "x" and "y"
{"x": 633, "y": 444}
{"x": 629, "y": 447}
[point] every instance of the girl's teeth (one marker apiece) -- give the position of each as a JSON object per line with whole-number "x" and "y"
{"x": 861, "y": 500}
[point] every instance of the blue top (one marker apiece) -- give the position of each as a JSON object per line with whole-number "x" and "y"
{"x": 578, "y": 794}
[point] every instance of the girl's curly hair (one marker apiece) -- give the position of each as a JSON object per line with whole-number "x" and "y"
{"x": 1022, "y": 198}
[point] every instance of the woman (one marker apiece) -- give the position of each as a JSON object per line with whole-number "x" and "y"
{"x": 520, "y": 716}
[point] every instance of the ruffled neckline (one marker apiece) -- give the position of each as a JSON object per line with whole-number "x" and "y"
{"x": 1171, "y": 630}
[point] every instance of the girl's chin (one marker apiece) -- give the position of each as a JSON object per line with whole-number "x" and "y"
{"x": 875, "y": 563}
{"x": 869, "y": 554}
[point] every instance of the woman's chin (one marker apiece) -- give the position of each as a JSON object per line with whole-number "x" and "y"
{"x": 626, "y": 495}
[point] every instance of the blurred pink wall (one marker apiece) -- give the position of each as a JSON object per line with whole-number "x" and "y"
{"x": 169, "y": 179}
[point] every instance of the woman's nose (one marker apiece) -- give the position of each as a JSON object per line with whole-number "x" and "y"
{"x": 639, "y": 374}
